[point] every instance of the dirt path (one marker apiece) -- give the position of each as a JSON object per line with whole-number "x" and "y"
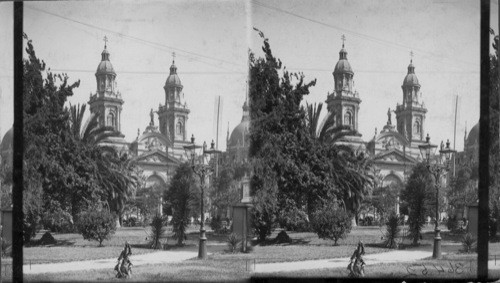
{"x": 387, "y": 257}
{"x": 142, "y": 259}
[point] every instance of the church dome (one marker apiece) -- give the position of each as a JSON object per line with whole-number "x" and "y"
{"x": 240, "y": 133}
{"x": 473, "y": 137}
{"x": 411, "y": 79}
{"x": 173, "y": 79}
{"x": 105, "y": 67}
{"x": 7, "y": 141}
{"x": 343, "y": 65}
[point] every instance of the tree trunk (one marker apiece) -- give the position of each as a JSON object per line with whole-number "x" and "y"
{"x": 118, "y": 222}
{"x": 353, "y": 222}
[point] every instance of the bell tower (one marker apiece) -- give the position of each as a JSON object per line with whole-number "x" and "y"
{"x": 344, "y": 101}
{"x": 410, "y": 115}
{"x": 107, "y": 101}
{"x": 174, "y": 114}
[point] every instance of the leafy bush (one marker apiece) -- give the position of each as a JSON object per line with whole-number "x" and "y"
{"x": 58, "y": 221}
{"x": 452, "y": 223}
{"x": 282, "y": 237}
{"x": 6, "y": 248}
{"x": 131, "y": 222}
{"x": 468, "y": 243}
{"x": 179, "y": 225}
{"x": 96, "y": 225}
{"x": 216, "y": 224}
{"x": 331, "y": 222}
{"x": 158, "y": 230}
{"x": 233, "y": 242}
{"x": 294, "y": 219}
{"x": 392, "y": 231}
{"x": 493, "y": 227}
{"x": 419, "y": 194}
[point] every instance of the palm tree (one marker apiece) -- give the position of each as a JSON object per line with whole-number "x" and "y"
{"x": 327, "y": 130}
{"x": 349, "y": 169}
{"x": 115, "y": 171}
{"x": 90, "y": 132}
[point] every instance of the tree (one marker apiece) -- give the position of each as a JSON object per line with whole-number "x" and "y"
{"x": 494, "y": 104}
{"x": 49, "y": 151}
{"x": 276, "y": 133}
{"x": 418, "y": 194}
{"x": 462, "y": 190}
{"x": 148, "y": 199}
{"x": 331, "y": 222}
{"x": 294, "y": 159}
{"x": 182, "y": 194}
{"x": 225, "y": 191}
{"x": 119, "y": 179}
{"x": 384, "y": 199}
{"x": 96, "y": 224}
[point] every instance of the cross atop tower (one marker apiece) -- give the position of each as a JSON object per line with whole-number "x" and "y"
{"x": 411, "y": 56}
{"x": 343, "y": 40}
{"x": 105, "y": 41}
{"x": 173, "y": 57}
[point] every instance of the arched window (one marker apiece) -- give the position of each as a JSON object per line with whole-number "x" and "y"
{"x": 110, "y": 121}
{"x": 178, "y": 128}
{"x": 348, "y": 118}
{"x": 417, "y": 128}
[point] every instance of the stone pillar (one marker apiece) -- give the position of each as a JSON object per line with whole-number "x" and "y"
{"x": 397, "y": 205}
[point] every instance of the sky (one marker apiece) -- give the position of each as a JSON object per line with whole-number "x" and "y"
{"x": 443, "y": 35}
{"x": 211, "y": 40}
{"x": 208, "y": 38}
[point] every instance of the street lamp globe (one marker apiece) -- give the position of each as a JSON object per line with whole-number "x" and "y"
{"x": 192, "y": 151}
{"x": 199, "y": 156}
{"x": 427, "y": 150}
{"x": 437, "y": 169}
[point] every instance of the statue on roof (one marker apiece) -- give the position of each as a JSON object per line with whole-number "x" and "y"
{"x": 389, "y": 120}
{"x": 152, "y": 115}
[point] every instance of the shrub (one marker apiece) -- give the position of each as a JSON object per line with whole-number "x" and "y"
{"x": 96, "y": 225}
{"x": 216, "y": 224}
{"x": 233, "y": 242}
{"x": 294, "y": 219}
{"x": 392, "y": 231}
{"x": 179, "y": 225}
{"x": 58, "y": 221}
{"x": 6, "y": 249}
{"x": 158, "y": 230}
{"x": 282, "y": 238}
{"x": 331, "y": 222}
{"x": 492, "y": 222}
{"x": 131, "y": 222}
{"x": 47, "y": 239}
{"x": 468, "y": 243}
{"x": 452, "y": 223}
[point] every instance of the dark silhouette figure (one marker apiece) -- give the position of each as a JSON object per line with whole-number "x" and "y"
{"x": 356, "y": 265}
{"x": 124, "y": 266}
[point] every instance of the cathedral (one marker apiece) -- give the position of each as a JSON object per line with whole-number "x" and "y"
{"x": 159, "y": 149}
{"x": 393, "y": 151}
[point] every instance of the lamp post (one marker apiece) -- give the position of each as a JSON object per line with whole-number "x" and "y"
{"x": 200, "y": 163}
{"x": 437, "y": 169}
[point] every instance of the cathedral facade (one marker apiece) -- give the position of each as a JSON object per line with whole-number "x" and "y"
{"x": 159, "y": 149}
{"x": 395, "y": 149}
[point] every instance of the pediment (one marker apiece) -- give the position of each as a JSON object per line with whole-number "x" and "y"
{"x": 158, "y": 157}
{"x": 391, "y": 140}
{"x": 394, "y": 156}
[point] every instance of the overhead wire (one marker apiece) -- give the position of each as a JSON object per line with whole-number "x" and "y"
{"x": 193, "y": 55}
{"x": 361, "y": 35}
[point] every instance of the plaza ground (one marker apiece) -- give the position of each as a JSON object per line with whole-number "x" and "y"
{"x": 306, "y": 256}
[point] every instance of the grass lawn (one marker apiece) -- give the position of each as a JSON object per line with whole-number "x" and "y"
{"x": 190, "y": 270}
{"x": 72, "y": 247}
{"x": 462, "y": 266}
{"x": 223, "y": 266}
